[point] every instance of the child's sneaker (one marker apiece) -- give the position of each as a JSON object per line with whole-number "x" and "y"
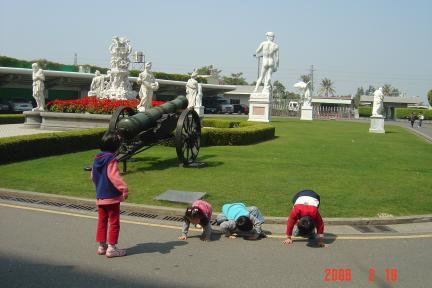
{"x": 102, "y": 250}
{"x": 110, "y": 253}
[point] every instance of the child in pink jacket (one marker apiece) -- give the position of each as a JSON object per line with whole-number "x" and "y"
{"x": 110, "y": 191}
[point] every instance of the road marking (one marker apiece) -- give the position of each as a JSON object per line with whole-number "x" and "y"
{"x": 275, "y": 236}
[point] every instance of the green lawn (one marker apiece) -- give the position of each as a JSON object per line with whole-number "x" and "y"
{"x": 357, "y": 173}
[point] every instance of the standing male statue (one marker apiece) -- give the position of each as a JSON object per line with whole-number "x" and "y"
{"x": 148, "y": 85}
{"x": 192, "y": 89}
{"x": 378, "y": 102}
{"x": 270, "y": 61}
{"x": 38, "y": 87}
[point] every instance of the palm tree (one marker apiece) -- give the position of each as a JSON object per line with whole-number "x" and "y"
{"x": 387, "y": 89}
{"x": 305, "y": 78}
{"x": 327, "y": 87}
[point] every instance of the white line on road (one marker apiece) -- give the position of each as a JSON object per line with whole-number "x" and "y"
{"x": 276, "y": 236}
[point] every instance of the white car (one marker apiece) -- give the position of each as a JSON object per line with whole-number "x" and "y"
{"x": 20, "y": 105}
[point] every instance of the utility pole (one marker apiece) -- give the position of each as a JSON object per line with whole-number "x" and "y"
{"x": 75, "y": 59}
{"x": 312, "y": 79}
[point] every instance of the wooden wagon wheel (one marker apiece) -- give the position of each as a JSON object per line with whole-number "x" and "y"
{"x": 188, "y": 137}
{"x": 120, "y": 113}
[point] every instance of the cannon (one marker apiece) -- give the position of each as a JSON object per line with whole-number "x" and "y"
{"x": 142, "y": 130}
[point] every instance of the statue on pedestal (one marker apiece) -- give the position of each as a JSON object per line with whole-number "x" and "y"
{"x": 305, "y": 92}
{"x": 38, "y": 87}
{"x": 148, "y": 84}
{"x": 377, "y": 107}
{"x": 270, "y": 61}
{"x": 192, "y": 90}
{"x": 97, "y": 85}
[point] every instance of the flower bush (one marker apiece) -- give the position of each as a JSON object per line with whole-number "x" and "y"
{"x": 93, "y": 105}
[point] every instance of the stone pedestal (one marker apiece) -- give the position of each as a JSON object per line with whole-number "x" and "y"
{"x": 377, "y": 124}
{"x": 260, "y": 107}
{"x": 33, "y": 119}
{"x": 199, "y": 110}
{"x": 306, "y": 112}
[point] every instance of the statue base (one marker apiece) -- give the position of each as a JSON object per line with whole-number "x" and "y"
{"x": 306, "y": 113}
{"x": 377, "y": 124}
{"x": 260, "y": 107}
{"x": 33, "y": 119}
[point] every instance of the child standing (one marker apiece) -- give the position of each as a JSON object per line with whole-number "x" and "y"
{"x": 238, "y": 216}
{"x": 200, "y": 213}
{"x": 306, "y": 215}
{"x": 110, "y": 191}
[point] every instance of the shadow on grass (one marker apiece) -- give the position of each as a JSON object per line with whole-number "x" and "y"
{"x": 155, "y": 163}
{"x": 153, "y": 247}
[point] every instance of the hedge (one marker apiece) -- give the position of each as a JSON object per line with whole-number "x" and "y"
{"x": 365, "y": 111}
{"x": 403, "y": 113}
{"x": 12, "y": 118}
{"x": 26, "y": 147}
{"x": 243, "y": 133}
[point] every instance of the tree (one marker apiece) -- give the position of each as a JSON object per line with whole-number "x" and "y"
{"x": 208, "y": 70}
{"x": 305, "y": 78}
{"x": 278, "y": 90}
{"x": 360, "y": 91}
{"x": 430, "y": 96}
{"x": 326, "y": 87}
{"x": 235, "y": 79}
{"x": 388, "y": 90}
{"x": 371, "y": 89}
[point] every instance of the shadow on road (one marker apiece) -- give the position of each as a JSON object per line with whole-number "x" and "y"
{"x": 152, "y": 247}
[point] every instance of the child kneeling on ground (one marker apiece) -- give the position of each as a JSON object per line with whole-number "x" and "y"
{"x": 199, "y": 214}
{"x": 246, "y": 219}
{"x": 110, "y": 191}
{"x": 306, "y": 215}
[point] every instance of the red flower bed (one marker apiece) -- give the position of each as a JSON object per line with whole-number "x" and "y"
{"x": 93, "y": 105}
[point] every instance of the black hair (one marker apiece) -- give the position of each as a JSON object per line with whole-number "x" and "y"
{"x": 305, "y": 225}
{"x": 110, "y": 142}
{"x": 195, "y": 212}
{"x": 244, "y": 223}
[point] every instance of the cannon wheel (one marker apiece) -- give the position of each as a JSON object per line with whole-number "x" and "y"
{"x": 119, "y": 114}
{"x": 188, "y": 137}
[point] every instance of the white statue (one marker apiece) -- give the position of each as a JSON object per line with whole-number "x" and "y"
{"x": 305, "y": 91}
{"x": 378, "y": 103}
{"x": 148, "y": 85}
{"x": 198, "y": 100}
{"x": 38, "y": 87}
{"x": 192, "y": 89}
{"x": 97, "y": 85}
{"x": 119, "y": 86}
{"x": 270, "y": 61}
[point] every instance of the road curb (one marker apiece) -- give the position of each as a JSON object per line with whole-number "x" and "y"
{"x": 180, "y": 212}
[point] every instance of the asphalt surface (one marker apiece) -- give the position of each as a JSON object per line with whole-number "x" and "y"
{"x": 43, "y": 247}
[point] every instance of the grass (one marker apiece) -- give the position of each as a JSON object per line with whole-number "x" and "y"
{"x": 357, "y": 173}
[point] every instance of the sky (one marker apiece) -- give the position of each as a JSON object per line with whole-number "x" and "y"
{"x": 352, "y": 42}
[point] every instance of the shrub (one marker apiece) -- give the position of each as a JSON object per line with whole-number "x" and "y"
{"x": 403, "y": 113}
{"x": 12, "y": 118}
{"x": 223, "y": 132}
{"x": 26, "y": 147}
{"x": 365, "y": 111}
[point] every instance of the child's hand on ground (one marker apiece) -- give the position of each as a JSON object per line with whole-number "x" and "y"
{"x": 183, "y": 237}
{"x": 287, "y": 241}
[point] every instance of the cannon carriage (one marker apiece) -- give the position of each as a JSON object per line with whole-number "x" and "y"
{"x": 142, "y": 130}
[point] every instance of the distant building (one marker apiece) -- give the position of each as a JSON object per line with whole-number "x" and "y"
{"x": 391, "y": 102}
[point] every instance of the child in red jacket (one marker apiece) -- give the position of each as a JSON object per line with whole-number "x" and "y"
{"x": 306, "y": 215}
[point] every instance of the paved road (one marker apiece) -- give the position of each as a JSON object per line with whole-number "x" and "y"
{"x": 43, "y": 248}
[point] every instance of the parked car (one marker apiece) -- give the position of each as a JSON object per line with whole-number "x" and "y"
{"x": 4, "y": 107}
{"x": 217, "y": 104}
{"x": 20, "y": 105}
{"x": 241, "y": 109}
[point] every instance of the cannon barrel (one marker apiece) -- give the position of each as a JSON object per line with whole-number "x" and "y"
{"x": 131, "y": 126}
